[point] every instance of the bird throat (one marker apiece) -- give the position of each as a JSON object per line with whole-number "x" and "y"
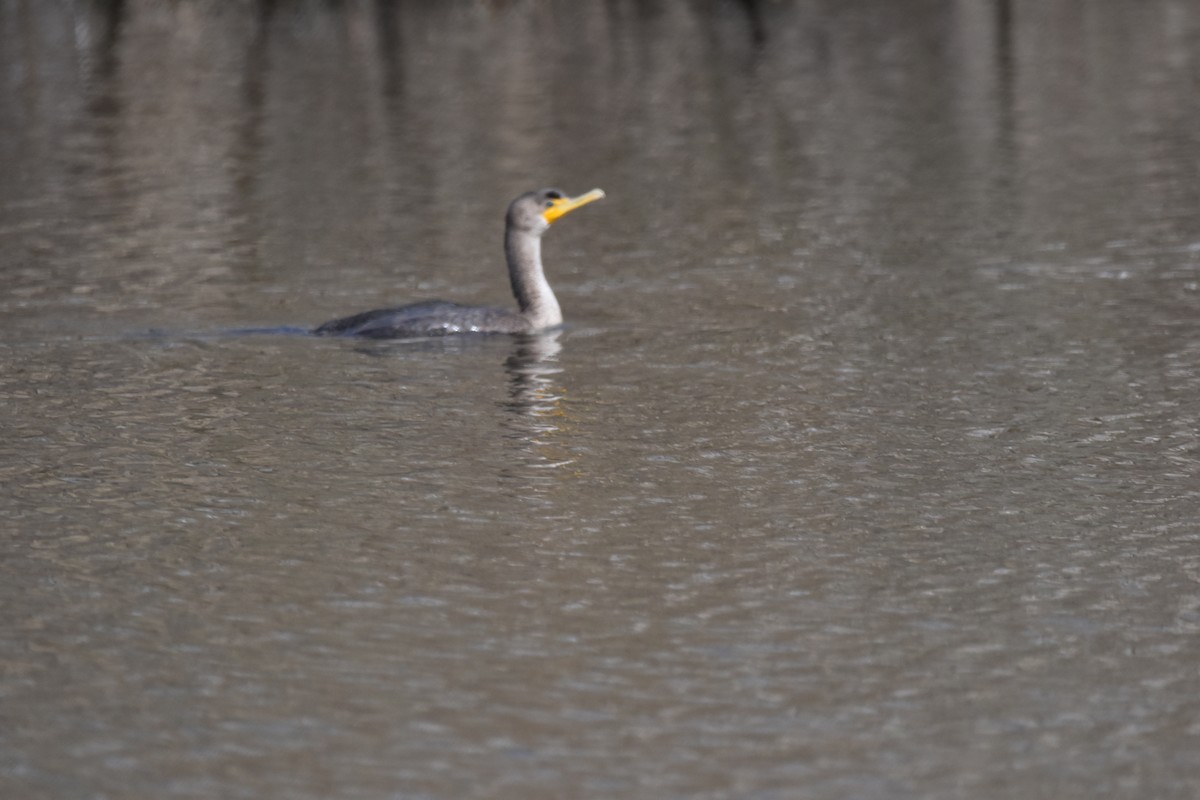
{"x": 534, "y": 296}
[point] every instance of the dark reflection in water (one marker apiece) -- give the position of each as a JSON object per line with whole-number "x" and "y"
{"x": 866, "y": 465}
{"x": 540, "y": 414}
{"x": 531, "y": 370}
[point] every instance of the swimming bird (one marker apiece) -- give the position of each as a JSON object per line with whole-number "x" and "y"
{"x": 529, "y": 216}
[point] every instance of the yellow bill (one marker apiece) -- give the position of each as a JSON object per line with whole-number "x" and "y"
{"x": 566, "y": 205}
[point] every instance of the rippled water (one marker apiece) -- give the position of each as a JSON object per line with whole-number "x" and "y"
{"x": 867, "y": 467}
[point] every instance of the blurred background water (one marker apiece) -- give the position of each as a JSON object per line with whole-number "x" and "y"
{"x": 866, "y": 467}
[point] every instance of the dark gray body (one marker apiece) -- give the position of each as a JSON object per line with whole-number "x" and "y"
{"x": 429, "y": 318}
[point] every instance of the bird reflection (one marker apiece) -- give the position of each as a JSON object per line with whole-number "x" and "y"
{"x": 538, "y": 416}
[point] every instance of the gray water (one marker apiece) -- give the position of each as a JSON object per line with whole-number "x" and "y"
{"x": 867, "y": 466}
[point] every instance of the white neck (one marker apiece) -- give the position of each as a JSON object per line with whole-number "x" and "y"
{"x": 534, "y": 295}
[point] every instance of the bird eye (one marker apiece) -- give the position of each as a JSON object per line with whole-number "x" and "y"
{"x": 549, "y": 204}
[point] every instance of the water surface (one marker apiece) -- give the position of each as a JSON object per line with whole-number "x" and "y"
{"x": 867, "y": 465}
